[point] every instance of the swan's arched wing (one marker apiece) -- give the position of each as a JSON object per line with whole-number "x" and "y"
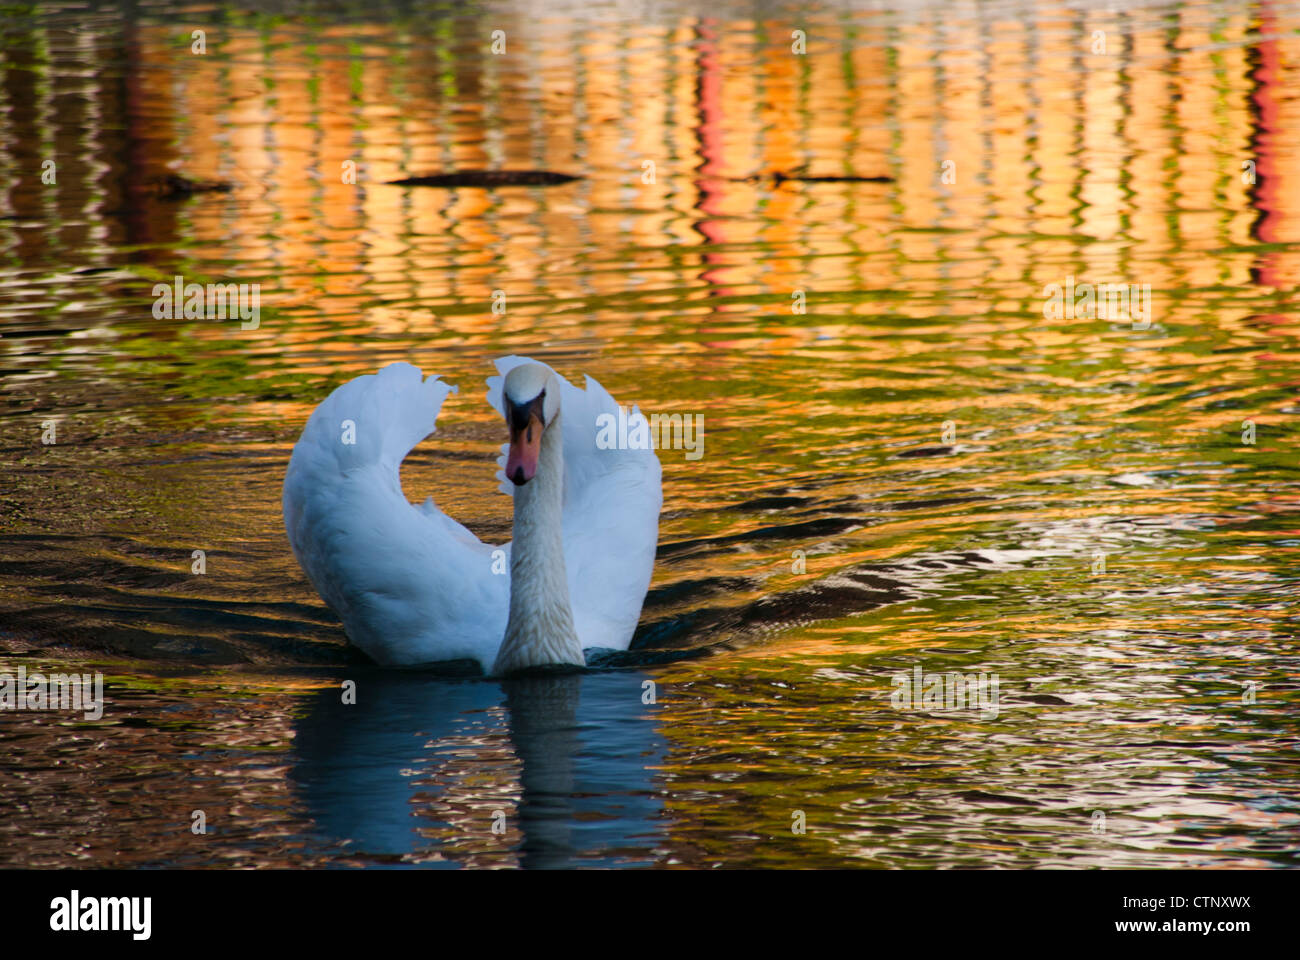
{"x": 612, "y": 499}
{"x": 410, "y": 584}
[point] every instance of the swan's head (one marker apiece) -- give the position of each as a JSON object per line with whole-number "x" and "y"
{"x": 532, "y": 401}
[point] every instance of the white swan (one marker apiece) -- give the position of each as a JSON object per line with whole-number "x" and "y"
{"x": 413, "y": 586}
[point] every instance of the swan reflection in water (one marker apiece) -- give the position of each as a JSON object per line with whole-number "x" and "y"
{"x": 420, "y": 769}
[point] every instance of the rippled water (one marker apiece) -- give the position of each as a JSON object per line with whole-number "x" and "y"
{"x": 924, "y": 467}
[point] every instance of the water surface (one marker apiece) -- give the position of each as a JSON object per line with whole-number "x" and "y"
{"x": 908, "y": 461}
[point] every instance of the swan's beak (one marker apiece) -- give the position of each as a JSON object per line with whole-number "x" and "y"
{"x": 525, "y": 444}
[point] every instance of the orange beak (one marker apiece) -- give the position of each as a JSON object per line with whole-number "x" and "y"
{"x": 525, "y": 444}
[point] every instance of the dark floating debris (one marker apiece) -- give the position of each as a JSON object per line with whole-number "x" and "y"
{"x": 943, "y": 451}
{"x": 488, "y": 178}
{"x": 1046, "y": 699}
{"x": 175, "y": 187}
{"x": 780, "y": 177}
{"x": 979, "y": 796}
{"x": 799, "y": 176}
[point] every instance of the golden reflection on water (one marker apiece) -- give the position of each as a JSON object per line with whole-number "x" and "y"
{"x": 1074, "y": 436}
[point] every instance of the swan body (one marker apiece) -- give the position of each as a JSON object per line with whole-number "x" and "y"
{"x": 414, "y": 586}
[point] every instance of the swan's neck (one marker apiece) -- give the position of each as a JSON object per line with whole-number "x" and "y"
{"x": 540, "y": 630}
